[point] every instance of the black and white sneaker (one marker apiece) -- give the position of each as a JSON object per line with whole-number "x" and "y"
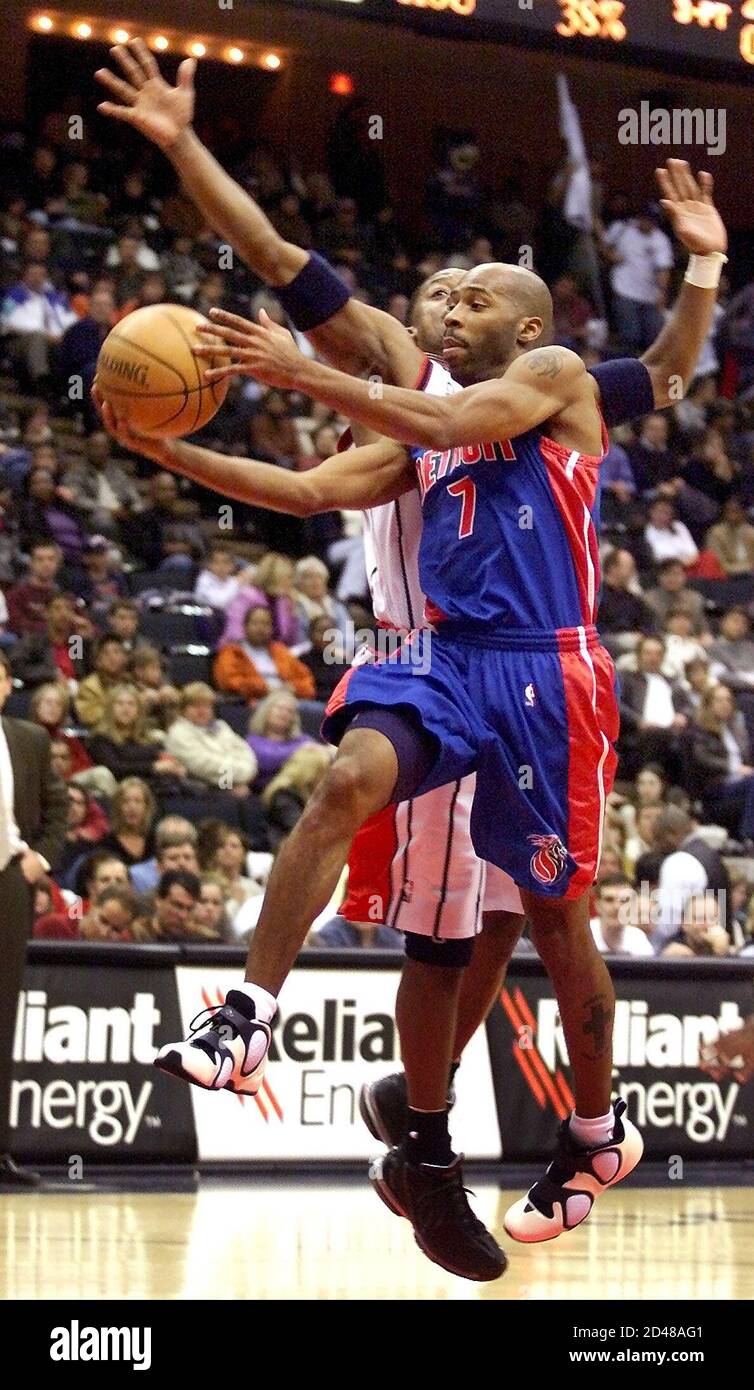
{"x": 384, "y": 1108}
{"x": 564, "y": 1197}
{"x": 227, "y": 1049}
{"x": 434, "y": 1201}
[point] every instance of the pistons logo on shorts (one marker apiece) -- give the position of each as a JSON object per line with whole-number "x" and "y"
{"x": 549, "y": 860}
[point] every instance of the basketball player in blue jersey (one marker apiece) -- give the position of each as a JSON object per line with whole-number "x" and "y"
{"x": 354, "y": 335}
{"x": 519, "y": 688}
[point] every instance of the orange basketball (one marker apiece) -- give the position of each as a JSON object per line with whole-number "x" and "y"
{"x": 147, "y": 371}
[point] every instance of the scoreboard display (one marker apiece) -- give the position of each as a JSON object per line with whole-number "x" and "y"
{"x": 714, "y": 32}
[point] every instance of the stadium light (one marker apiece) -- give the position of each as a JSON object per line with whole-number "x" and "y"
{"x": 341, "y": 84}
{"x": 108, "y": 30}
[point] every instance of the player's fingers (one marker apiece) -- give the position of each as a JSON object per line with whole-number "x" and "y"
{"x": 212, "y": 345}
{"x": 129, "y": 65}
{"x": 217, "y": 331}
{"x": 108, "y": 416}
{"x": 144, "y": 58}
{"x": 186, "y": 72}
{"x": 687, "y": 181}
{"x": 220, "y": 373}
{"x": 117, "y": 86}
{"x": 664, "y": 181}
{"x": 676, "y": 169}
{"x": 221, "y": 316}
{"x": 707, "y": 186}
{"x": 225, "y": 335}
{"x": 121, "y": 113}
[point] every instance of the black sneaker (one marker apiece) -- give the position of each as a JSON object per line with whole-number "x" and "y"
{"x": 434, "y": 1201}
{"x": 384, "y": 1108}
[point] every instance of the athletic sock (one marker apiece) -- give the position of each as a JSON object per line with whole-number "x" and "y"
{"x": 589, "y": 1134}
{"x": 429, "y": 1138}
{"x": 265, "y": 1005}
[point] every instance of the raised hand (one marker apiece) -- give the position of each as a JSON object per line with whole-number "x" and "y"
{"x": 263, "y": 350}
{"x": 145, "y": 99}
{"x": 689, "y": 203}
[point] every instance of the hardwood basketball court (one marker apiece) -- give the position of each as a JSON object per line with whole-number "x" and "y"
{"x": 255, "y": 1238}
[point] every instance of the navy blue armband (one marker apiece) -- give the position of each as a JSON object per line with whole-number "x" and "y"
{"x": 626, "y": 390}
{"x": 314, "y": 295}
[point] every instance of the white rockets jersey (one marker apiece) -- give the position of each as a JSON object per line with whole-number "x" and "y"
{"x": 426, "y": 882}
{"x": 392, "y": 534}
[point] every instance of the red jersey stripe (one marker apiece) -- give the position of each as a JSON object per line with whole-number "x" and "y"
{"x": 592, "y": 714}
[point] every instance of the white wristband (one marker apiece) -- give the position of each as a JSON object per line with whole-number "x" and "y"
{"x": 705, "y": 271}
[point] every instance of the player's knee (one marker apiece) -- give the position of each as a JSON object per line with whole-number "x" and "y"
{"x": 455, "y": 953}
{"x": 343, "y": 797}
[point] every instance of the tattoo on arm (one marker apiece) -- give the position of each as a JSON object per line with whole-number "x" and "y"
{"x": 547, "y": 362}
{"x": 597, "y": 1025}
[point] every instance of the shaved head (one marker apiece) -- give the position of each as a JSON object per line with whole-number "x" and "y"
{"x": 521, "y": 286}
{"x": 494, "y": 314}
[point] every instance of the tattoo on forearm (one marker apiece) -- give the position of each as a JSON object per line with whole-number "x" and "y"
{"x": 597, "y": 1025}
{"x": 546, "y": 363}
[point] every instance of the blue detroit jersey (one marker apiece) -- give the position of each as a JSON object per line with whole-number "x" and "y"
{"x": 510, "y": 534}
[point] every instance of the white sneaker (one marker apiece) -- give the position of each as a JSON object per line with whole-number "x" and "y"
{"x": 564, "y": 1197}
{"x": 227, "y": 1049}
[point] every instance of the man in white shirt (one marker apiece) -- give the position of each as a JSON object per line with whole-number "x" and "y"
{"x": 611, "y": 929}
{"x": 642, "y": 258}
{"x": 34, "y": 317}
{"x": 667, "y": 537}
{"x": 691, "y": 867}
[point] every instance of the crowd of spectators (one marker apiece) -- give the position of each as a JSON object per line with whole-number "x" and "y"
{"x": 180, "y": 649}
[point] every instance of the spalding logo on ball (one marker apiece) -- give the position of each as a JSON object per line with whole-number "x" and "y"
{"x": 147, "y": 371}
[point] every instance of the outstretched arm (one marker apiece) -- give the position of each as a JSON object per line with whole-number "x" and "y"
{"x": 356, "y": 479}
{"x": 358, "y": 337}
{"x": 164, "y": 114}
{"x": 537, "y": 386}
{"x": 689, "y": 203}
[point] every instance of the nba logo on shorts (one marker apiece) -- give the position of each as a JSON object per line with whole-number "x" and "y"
{"x": 530, "y": 695}
{"x": 548, "y": 862}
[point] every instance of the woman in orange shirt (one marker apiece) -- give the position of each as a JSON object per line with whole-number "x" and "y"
{"x": 255, "y": 667}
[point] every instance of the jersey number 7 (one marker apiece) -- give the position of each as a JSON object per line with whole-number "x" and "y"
{"x": 465, "y": 488}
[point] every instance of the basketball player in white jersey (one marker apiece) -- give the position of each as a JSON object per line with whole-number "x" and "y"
{"x": 360, "y": 339}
